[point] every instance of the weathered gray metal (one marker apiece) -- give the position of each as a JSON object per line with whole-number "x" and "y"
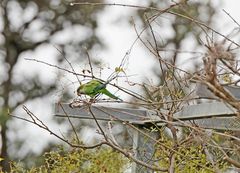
{"x": 215, "y": 115}
{"x": 203, "y": 92}
{"x": 218, "y": 123}
{"x": 206, "y": 110}
{"x": 101, "y": 112}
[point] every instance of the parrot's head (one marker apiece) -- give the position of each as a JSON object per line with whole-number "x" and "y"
{"x": 80, "y": 90}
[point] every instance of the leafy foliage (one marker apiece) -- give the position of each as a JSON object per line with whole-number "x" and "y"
{"x": 190, "y": 156}
{"x": 99, "y": 160}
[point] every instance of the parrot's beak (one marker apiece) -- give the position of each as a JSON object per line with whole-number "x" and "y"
{"x": 79, "y": 92}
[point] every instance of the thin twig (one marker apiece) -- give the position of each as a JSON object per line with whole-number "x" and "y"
{"x": 69, "y": 120}
{"x": 68, "y": 63}
{"x": 98, "y": 125}
{"x": 111, "y": 134}
{"x": 40, "y": 124}
{"x": 90, "y": 64}
{"x": 231, "y": 18}
{"x": 55, "y": 66}
{"x": 204, "y": 25}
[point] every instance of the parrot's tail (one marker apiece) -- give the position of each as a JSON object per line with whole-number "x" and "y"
{"x": 106, "y": 92}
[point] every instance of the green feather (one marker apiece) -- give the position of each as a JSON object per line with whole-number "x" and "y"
{"x": 107, "y": 93}
{"x": 93, "y": 88}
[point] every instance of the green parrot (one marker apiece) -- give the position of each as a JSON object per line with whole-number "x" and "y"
{"x": 93, "y": 88}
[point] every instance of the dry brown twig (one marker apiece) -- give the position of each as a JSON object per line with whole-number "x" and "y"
{"x": 36, "y": 121}
{"x": 211, "y": 77}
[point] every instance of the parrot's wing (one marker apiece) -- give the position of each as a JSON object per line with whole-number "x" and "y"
{"x": 96, "y": 87}
{"x": 99, "y": 87}
{"x": 93, "y": 84}
{"x": 107, "y": 93}
{"x": 89, "y": 88}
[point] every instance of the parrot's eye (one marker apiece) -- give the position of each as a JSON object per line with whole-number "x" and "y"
{"x": 79, "y": 89}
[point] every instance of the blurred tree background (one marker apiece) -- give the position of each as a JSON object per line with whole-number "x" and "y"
{"x": 28, "y": 25}
{"x": 176, "y": 35}
{"x": 25, "y": 27}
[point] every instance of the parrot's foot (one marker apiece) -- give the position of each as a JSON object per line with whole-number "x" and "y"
{"x": 92, "y": 100}
{"x": 76, "y": 103}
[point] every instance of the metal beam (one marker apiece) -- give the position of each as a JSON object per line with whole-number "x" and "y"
{"x": 203, "y": 92}
{"x": 205, "y": 110}
{"x": 222, "y": 123}
{"x": 101, "y": 113}
{"x": 199, "y": 111}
